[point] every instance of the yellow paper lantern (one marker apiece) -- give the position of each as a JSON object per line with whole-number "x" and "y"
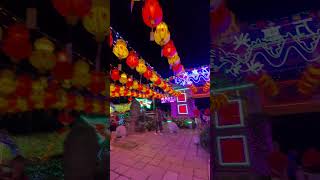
{"x": 38, "y": 87}
{"x": 42, "y": 60}
{"x": 162, "y": 34}
{"x": 97, "y": 22}
{"x": 175, "y": 59}
{"x": 144, "y": 89}
{"x": 3, "y": 103}
{"x": 81, "y": 80}
{"x": 122, "y": 88}
{"x": 81, "y": 67}
{"x": 96, "y": 107}
{"x": 67, "y": 83}
{"x": 135, "y": 84}
{"x": 44, "y": 44}
{"x": 8, "y": 82}
{"x": 112, "y": 87}
{"x": 154, "y": 77}
{"x": 123, "y": 78}
{"x": 22, "y": 105}
{"x": 79, "y": 103}
{"x": 120, "y": 49}
{"x": 38, "y": 99}
{"x": 141, "y": 68}
{"x": 62, "y": 100}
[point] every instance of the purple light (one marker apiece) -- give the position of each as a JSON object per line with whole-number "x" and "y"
{"x": 168, "y": 100}
{"x": 197, "y": 76}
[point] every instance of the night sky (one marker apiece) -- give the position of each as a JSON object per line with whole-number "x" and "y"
{"x": 188, "y": 23}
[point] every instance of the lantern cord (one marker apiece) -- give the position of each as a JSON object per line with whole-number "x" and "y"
{"x": 98, "y": 56}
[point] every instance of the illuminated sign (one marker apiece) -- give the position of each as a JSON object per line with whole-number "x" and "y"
{"x": 144, "y": 103}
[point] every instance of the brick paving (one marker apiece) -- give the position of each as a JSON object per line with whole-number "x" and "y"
{"x": 155, "y": 157}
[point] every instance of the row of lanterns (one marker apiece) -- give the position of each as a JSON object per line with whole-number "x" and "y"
{"x": 152, "y": 17}
{"x": 52, "y": 100}
{"x": 206, "y": 87}
{"x": 130, "y": 84}
{"x": 95, "y": 15}
{"x": 45, "y": 59}
{"x": 121, "y": 51}
{"x": 41, "y": 91}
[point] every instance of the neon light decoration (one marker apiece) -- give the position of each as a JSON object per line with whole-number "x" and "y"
{"x": 168, "y": 100}
{"x": 144, "y": 103}
{"x": 233, "y": 151}
{"x": 271, "y": 47}
{"x": 197, "y": 76}
{"x": 121, "y": 108}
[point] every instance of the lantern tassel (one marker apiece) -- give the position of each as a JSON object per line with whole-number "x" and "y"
{"x": 152, "y": 35}
{"x": 98, "y": 59}
{"x": 31, "y": 20}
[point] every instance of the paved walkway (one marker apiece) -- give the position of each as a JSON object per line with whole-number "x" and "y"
{"x": 155, "y": 157}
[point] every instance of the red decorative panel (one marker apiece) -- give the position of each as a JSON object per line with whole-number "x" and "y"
{"x": 233, "y": 150}
{"x": 182, "y": 98}
{"x": 182, "y": 109}
{"x": 230, "y": 115}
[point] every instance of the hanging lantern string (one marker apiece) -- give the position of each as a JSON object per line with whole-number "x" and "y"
{"x": 8, "y": 14}
{"x": 113, "y": 67}
{"x": 118, "y": 36}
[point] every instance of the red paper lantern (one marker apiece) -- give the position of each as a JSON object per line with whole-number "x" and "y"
{"x": 152, "y": 13}
{"x": 88, "y": 106}
{"x": 65, "y": 118}
{"x": 117, "y": 89}
{"x": 129, "y": 82}
{"x": 169, "y": 49}
{"x": 176, "y": 68}
{"x": 72, "y": 8}
{"x": 62, "y": 71}
{"x": 18, "y": 32}
{"x": 17, "y": 49}
{"x": 50, "y": 98}
{"x": 115, "y": 74}
{"x": 71, "y": 101}
{"x": 132, "y": 60}
{"x": 97, "y": 84}
{"x": 158, "y": 82}
{"x": 12, "y": 104}
{"x": 130, "y": 98}
{"x": 24, "y": 86}
{"x": 140, "y": 87}
{"x": 148, "y": 73}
